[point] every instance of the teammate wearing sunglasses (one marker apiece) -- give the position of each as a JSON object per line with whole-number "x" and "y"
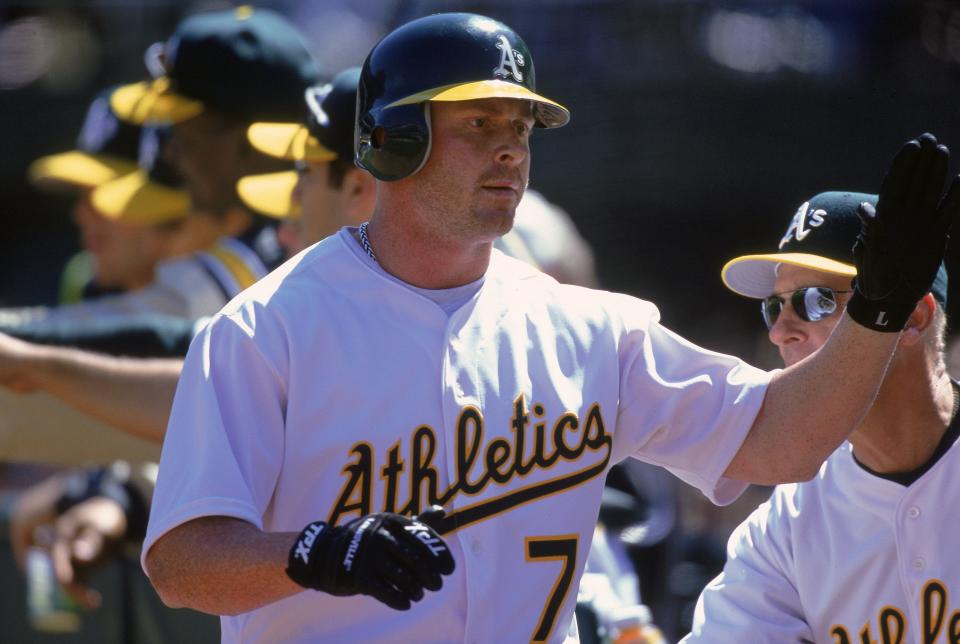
{"x": 859, "y": 553}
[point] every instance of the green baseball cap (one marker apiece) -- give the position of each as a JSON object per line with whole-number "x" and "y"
{"x": 106, "y": 149}
{"x": 243, "y": 61}
{"x": 326, "y": 134}
{"x": 151, "y": 195}
{"x": 820, "y": 236}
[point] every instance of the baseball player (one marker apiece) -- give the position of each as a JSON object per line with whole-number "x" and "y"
{"x": 863, "y": 552}
{"x": 338, "y": 194}
{"x": 217, "y": 73}
{"x": 119, "y": 252}
{"x": 327, "y": 191}
{"x": 320, "y": 419}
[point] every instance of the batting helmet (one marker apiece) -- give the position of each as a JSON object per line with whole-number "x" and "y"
{"x": 443, "y": 57}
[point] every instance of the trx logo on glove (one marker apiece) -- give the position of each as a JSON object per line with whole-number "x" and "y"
{"x": 425, "y": 534}
{"x": 383, "y": 555}
{"x": 309, "y": 536}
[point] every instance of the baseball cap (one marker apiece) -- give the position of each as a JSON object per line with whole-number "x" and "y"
{"x": 106, "y": 149}
{"x": 243, "y": 61}
{"x": 820, "y": 236}
{"x": 326, "y": 135}
{"x": 153, "y": 194}
{"x": 270, "y": 194}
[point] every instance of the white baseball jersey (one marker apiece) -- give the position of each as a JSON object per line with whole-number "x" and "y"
{"x": 847, "y": 557}
{"x": 329, "y": 391}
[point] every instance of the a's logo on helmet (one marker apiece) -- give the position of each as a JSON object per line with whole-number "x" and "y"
{"x": 803, "y": 217}
{"x": 509, "y": 58}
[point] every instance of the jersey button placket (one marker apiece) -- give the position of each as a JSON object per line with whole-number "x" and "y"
{"x": 454, "y": 397}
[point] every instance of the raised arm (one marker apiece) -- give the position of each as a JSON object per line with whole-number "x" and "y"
{"x": 812, "y": 406}
{"x": 131, "y": 394}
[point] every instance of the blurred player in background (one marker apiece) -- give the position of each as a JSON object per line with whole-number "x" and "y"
{"x": 118, "y": 255}
{"x": 219, "y": 72}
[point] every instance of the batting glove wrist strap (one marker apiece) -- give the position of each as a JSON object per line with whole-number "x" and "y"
{"x": 387, "y": 556}
{"x": 885, "y": 316}
{"x": 902, "y": 241}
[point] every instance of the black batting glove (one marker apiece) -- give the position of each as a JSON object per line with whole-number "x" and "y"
{"x": 385, "y": 555}
{"x": 902, "y": 242}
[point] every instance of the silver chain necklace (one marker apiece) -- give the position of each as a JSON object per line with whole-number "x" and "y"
{"x": 365, "y": 241}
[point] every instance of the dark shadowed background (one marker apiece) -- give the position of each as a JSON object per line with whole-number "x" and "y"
{"x": 698, "y": 127}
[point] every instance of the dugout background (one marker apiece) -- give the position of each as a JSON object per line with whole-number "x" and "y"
{"x": 698, "y": 127}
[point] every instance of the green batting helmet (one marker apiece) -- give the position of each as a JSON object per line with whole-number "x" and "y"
{"x": 443, "y": 57}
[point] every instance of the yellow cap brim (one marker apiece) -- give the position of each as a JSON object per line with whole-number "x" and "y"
{"x": 756, "y": 275}
{"x": 153, "y": 102}
{"x": 270, "y": 194}
{"x": 134, "y": 199}
{"x": 549, "y": 113}
{"x": 289, "y": 141}
{"x": 78, "y": 168}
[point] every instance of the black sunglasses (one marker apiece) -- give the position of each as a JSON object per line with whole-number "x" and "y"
{"x": 812, "y": 304}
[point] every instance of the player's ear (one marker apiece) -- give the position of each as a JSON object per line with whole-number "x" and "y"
{"x": 919, "y": 320}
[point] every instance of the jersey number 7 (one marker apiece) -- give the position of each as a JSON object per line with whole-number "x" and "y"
{"x": 561, "y": 548}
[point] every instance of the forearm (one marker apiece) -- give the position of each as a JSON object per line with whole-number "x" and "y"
{"x": 134, "y": 395}
{"x": 144, "y": 336}
{"x": 811, "y": 407}
{"x": 221, "y": 565}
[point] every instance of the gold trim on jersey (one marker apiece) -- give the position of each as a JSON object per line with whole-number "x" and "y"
{"x": 235, "y": 265}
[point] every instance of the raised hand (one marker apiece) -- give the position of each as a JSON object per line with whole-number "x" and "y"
{"x": 903, "y": 240}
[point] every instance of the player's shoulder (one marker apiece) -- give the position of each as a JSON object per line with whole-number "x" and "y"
{"x": 536, "y": 286}
{"x": 296, "y": 281}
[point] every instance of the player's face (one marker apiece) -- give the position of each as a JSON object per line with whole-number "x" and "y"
{"x": 479, "y": 165}
{"x": 796, "y": 338}
{"x": 205, "y": 150}
{"x": 322, "y": 208}
{"x": 125, "y": 254}
{"x": 212, "y": 153}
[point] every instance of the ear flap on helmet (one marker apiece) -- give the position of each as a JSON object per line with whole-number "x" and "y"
{"x": 394, "y": 143}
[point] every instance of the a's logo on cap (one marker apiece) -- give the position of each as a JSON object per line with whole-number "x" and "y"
{"x": 99, "y": 127}
{"x": 155, "y": 59}
{"x": 162, "y": 59}
{"x": 509, "y": 57}
{"x": 804, "y": 217}
{"x": 315, "y": 98}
